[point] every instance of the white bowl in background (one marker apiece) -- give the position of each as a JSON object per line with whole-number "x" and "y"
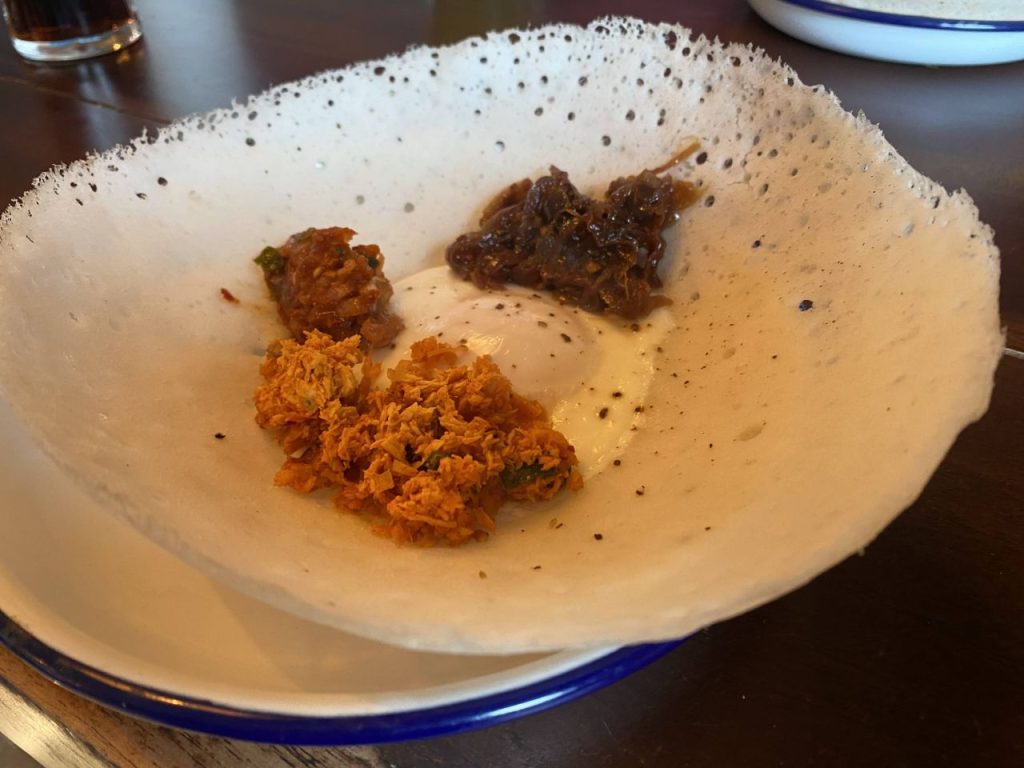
{"x": 900, "y": 37}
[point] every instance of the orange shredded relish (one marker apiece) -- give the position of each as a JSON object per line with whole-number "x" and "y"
{"x": 430, "y": 457}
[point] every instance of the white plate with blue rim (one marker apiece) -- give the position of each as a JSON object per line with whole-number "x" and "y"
{"x": 104, "y": 612}
{"x": 966, "y": 33}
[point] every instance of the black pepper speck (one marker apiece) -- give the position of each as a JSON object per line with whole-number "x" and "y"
{"x": 804, "y": 305}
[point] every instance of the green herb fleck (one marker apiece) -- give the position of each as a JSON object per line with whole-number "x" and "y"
{"x": 513, "y": 477}
{"x": 433, "y": 460}
{"x": 270, "y": 259}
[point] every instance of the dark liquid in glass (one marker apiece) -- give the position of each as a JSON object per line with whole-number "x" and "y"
{"x": 45, "y": 20}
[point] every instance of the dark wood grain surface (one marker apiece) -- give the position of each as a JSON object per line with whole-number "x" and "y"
{"x": 911, "y": 654}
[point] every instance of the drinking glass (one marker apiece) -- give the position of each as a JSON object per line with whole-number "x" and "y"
{"x": 67, "y": 30}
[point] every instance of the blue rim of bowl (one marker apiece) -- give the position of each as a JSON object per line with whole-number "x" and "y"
{"x": 906, "y": 20}
{"x": 167, "y": 708}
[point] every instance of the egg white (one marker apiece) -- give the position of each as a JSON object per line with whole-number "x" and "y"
{"x": 591, "y": 372}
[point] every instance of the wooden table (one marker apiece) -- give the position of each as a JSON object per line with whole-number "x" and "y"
{"x": 911, "y": 655}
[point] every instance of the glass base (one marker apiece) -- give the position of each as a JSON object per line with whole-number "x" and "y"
{"x": 80, "y": 47}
